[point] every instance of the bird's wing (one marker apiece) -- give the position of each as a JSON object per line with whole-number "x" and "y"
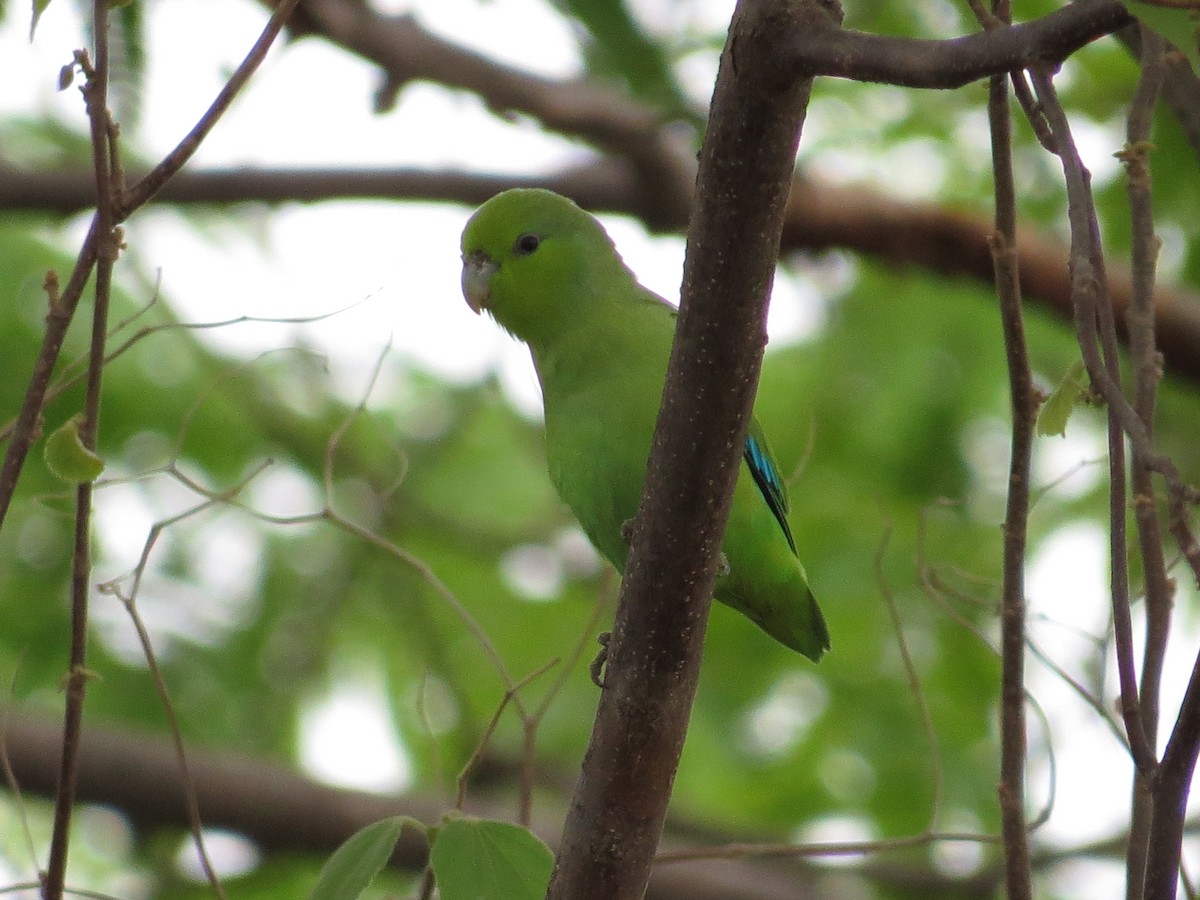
{"x": 757, "y": 454}
{"x": 766, "y": 476}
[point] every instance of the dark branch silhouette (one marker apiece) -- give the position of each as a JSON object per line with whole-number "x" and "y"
{"x": 282, "y": 811}
{"x": 925, "y": 63}
{"x": 819, "y": 217}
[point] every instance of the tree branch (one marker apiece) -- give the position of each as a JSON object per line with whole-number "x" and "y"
{"x": 746, "y": 164}
{"x": 281, "y": 811}
{"x": 609, "y": 120}
{"x": 1090, "y": 293}
{"x": 1147, "y": 368}
{"x": 106, "y": 169}
{"x": 819, "y": 217}
{"x": 1180, "y": 88}
{"x": 146, "y": 187}
{"x": 1024, "y": 404}
{"x": 137, "y": 773}
{"x": 94, "y": 246}
{"x": 924, "y": 63}
{"x": 603, "y": 117}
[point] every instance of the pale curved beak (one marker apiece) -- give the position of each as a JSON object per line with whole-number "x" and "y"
{"x": 478, "y": 269}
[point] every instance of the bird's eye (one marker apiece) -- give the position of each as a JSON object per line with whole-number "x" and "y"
{"x": 526, "y": 244}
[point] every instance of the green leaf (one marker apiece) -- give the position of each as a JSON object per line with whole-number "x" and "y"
{"x": 1179, "y": 26}
{"x": 127, "y": 62}
{"x": 68, "y": 458}
{"x": 619, "y": 47}
{"x": 39, "y": 7}
{"x": 481, "y": 859}
{"x": 355, "y": 864}
{"x": 1053, "y": 416}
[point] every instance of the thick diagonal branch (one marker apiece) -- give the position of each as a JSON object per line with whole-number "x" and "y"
{"x": 617, "y": 813}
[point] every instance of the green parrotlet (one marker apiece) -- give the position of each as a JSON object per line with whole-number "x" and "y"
{"x": 549, "y": 274}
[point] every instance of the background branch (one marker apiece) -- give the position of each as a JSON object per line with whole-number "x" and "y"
{"x": 819, "y": 217}
{"x": 924, "y": 63}
{"x": 282, "y": 811}
{"x": 605, "y": 118}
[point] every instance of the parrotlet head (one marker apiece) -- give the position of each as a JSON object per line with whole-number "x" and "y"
{"x": 534, "y": 261}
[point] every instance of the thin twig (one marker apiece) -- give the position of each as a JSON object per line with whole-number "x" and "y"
{"x": 108, "y": 242}
{"x": 1088, "y": 288}
{"x": 1147, "y": 368}
{"x": 146, "y": 187}
{"x": 1172, "y": 779}
{"x": 61, "y": 312}
{"x": 129, "y": 601}
{"x": 10, "y": 777}
{"x": 1024, "y": 404}
{"x": 605, "y": 595}
{"x": 69, "y": 376}
{"x": 1094, "y": 702}
{"x": 71, "y": 891}
{"x": 330, "y": 514}
{"x": 510, "y": 695}
{"x": 913, "y": 677}
{"x": 827, "y": 849}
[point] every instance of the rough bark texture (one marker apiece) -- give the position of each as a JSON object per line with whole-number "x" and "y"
{"x": 746, "y": 163}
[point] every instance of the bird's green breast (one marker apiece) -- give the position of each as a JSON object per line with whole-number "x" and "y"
{"x": 602, "y": 390}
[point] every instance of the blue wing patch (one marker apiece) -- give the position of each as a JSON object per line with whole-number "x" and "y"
{"x": 766, "y": 476}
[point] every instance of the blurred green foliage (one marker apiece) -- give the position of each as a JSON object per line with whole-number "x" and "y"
{"x": 893, "y": 407}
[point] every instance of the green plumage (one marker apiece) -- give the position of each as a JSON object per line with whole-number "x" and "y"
{"x": 548, "y": 273}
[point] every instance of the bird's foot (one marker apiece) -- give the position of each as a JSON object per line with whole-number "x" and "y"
{"x": 722, "y": 566}
{"x": 596, "y": 669}
{"x": 627, "y": 532}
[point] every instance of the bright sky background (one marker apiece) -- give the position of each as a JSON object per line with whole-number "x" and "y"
{"x": 396, "y": 266}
